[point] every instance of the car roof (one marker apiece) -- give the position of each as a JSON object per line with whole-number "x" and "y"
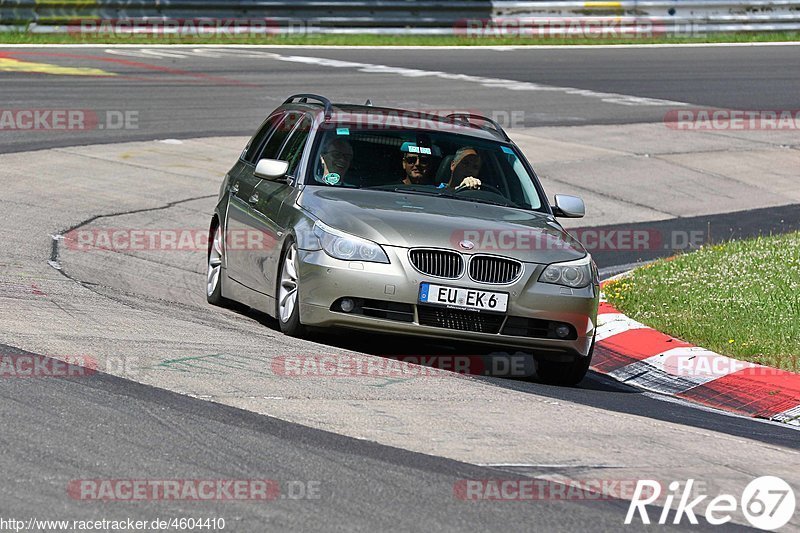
{"x": 375, "y": 116}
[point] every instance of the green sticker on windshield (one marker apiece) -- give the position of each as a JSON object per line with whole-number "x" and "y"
{"x": 342, "y": 131}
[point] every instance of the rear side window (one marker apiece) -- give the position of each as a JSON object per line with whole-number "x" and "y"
{"x": 273, "y": 146}
{"x": 254, "y": 148}
{"x": 293, "y": 150}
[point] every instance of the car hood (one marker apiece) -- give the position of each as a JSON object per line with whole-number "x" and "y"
{"x": 413, "y": 220}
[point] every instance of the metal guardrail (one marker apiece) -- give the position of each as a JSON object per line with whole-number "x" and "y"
{"x": 470, "y": 18}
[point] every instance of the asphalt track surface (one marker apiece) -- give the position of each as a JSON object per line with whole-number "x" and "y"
{"x": 106, "y": 427}
{"x": 193, "y": 92}
{"x": 362, "y": 486}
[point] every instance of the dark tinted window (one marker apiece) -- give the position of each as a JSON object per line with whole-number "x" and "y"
{"x": 279, "y": 136}
{"x": 254, "y": 148}
{"x": 293, "y": 150}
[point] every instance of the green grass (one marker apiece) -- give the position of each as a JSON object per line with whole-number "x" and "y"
{"x": 22, "y": 37}
{"x": 740, "y": 299}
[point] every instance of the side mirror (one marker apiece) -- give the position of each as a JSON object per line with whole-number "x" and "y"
{"x": 271, "y": 169}
{"x": 569, "y": 206}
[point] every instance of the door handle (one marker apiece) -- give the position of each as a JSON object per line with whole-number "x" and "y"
{"x": 253, "y": 199}
{"x": 235, "y": 188}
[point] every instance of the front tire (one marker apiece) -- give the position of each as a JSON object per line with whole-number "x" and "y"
{"x": 287, "y": 304}
{"x": 214, "y": 272}
{"x": 565, "y": 374}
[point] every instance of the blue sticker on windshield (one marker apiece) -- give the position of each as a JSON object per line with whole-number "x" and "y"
{"x": 412, "y": 148}
{"x": 331, "y": 178}
{"x": 507, "y": 150}
{"x": 342, "y": 131}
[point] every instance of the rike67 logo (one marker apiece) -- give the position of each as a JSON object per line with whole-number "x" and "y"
{"x": 768, "y": 503}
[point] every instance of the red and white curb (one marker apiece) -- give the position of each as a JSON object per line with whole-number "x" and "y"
{"x": 635, "y": 354}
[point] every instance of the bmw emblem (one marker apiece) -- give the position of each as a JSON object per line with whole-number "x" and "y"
{"x": 467, "y": 245}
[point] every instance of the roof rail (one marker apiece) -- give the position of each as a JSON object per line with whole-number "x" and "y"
{"x": 464, "y": 116}
{"x": 302, "y": 98}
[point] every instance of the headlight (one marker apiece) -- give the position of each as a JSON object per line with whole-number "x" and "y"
{"x": 575, "y": 274}
{"x": 347, "y": 247}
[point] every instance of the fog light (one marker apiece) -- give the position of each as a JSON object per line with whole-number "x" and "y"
{"x": 562, "y": 331}
{"x": 348, "y": 305}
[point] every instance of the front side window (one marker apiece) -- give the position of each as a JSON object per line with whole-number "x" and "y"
{"x": 272, "y": 148}
{"x": 293, "y": 149}
{"x": 435, "y": 163}
{"x": 258, "y": 140}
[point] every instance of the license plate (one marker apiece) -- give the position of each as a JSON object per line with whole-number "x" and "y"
{"x": 462, "y": 298}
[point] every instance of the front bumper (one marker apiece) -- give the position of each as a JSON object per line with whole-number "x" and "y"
{"x": 324, "y": 280}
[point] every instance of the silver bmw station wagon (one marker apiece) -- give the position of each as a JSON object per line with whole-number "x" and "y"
{"x": 385, "y": 220}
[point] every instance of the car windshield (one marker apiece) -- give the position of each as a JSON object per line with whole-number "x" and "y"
{"x": 432, "y": 163}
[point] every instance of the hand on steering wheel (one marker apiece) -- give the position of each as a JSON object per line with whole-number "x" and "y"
{"x": 469, "y": 183}
{"x": 474, "y": 183}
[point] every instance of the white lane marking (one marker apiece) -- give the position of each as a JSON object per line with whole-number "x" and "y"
{"x": 56, "y": 264}
{"x": 371, "y": 68}
{"x": 697, "y": 362}
{"x": 668, "y": 372}
{"x": 610, "y": 324}
{"x": 499, "y": 83}
{"x": 160, "y": 52}
{"x": 790, "y": 416}
{"x": 606, "y": 318}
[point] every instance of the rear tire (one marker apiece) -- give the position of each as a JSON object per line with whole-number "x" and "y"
{"x": 287, "y": 302}
{"x": 564, "y": 374}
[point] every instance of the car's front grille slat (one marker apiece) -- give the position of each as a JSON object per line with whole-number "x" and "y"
{"x": 491, "y": 269}
{"x": 438, "y": 263}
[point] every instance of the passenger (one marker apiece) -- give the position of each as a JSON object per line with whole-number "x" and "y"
{"x": 337, "y": 154}
{"x": 464, "y": 169}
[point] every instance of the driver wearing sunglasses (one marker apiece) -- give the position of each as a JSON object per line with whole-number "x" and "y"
{"x": 417, "y": 169}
